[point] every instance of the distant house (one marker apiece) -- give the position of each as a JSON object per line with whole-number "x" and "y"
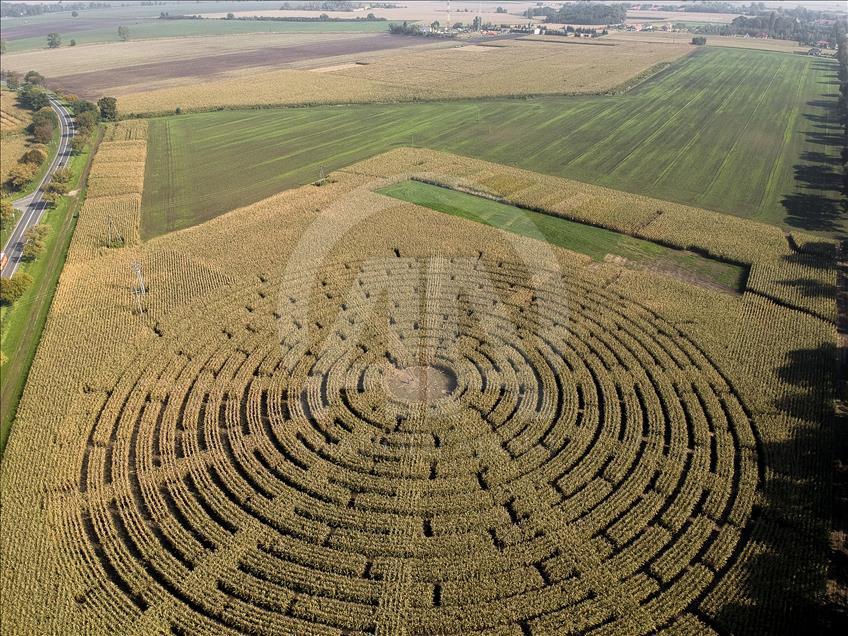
{"x": 823, "y": 44}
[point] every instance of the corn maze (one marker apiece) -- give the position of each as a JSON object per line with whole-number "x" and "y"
{"x": 591, "y": 470}
{"x": 410, "y": 433}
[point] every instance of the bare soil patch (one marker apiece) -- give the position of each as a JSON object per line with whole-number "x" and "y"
{"x": 335, "y": 67}
{"x": 95, "y": 83}
{"x": 474, "y": 48}
{"x": 422, "y": 383}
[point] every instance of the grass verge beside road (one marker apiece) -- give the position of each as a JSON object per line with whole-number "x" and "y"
{"x": 21, "y": 324}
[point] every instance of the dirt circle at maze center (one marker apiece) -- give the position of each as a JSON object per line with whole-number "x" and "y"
{"x": 420, "y": 383}
{"x": 588, "y": 468}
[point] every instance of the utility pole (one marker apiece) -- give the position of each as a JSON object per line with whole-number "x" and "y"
{"x": 141, "y": 290}
{"x": 113, "y": 236}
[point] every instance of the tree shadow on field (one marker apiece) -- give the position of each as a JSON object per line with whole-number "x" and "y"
{"x": 814, "y": 156}
{"x": 781, "y": 584}
{"x": 811, "y": 288}
{"x": 816, "y": 204}
{"x": 814, "y": 213}
{"x": 815, "y": 254}
{"x": 822, "y": 121}
{"x": 821, "y": 65}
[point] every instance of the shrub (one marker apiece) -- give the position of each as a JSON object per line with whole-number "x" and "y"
{"x": 35, "y": 155}
{"x": 21, "y": 175}
{"x": 108, "y": 108}
{"x": 43, "y": 133}
{"x": 11, "y": 289}
{"x": 33, "y": 77}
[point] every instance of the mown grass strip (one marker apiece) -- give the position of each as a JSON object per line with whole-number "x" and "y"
{"x": 592, "y": 241}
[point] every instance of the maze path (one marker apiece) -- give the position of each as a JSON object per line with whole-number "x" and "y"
{"x": 591, "y": 471}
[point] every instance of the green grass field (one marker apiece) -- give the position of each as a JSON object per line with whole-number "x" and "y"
{"x": 748, "y": 133}
{"x": 145, "y": 29}
{"x": 577, "y": 237}
{"x": 101, "y": 25}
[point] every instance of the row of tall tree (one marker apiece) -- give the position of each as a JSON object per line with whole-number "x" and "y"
{"x": 798, "y": 24}
{"x": 842, "y": 58}
{"x": 582, "y": 13}
{"x": 26, "y": 9}
{"x": 33, "y": 96}
{"x": 86, "y": 117}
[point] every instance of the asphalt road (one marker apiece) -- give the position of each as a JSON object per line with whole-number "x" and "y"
{"x": 32, "y": 205}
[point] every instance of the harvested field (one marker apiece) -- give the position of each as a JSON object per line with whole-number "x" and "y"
{"x": 12, "y": 147}
{"x": 12, "y": 117}
{"x": 107, "y": 57}
{"x": 679, "y": 16}
{"x": 194, "y": 59}
{"x": 764, "y": 44}
{"x": 620, "y": 451}
{"x": 476, "y": 48}
{"x": 425, "y": 11}
{"x": 511, "y": 68}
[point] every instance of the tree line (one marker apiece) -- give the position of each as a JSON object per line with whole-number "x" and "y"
{"x": 582, "y": 13}
{"x": 24, "y": 9}
{"x": 326, "y": 5}
{"x": 842, "y": 73}
{"x": 33, "y": 96}
{"x": 87, "y": 116}
{"x": 798, "y": 24}
{"x": 297, "y": 18}
{"x": 405, "y": 28}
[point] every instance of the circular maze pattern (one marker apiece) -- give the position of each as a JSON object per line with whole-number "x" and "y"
{"x": 588, "y": 470}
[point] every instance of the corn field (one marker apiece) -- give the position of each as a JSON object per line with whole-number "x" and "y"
{"x": 611, "y": 452}
{"x": 507, "y": 68}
